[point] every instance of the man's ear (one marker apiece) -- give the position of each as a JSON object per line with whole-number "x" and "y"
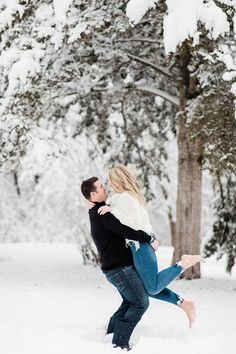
{"x": 92, "y": 195}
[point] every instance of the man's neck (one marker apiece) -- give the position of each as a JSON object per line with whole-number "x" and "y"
{"x": 98, "y": 201}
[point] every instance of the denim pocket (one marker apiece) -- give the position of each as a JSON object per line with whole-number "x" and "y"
{"x": 115, "y": 279}
{"x": 127, "y": 268}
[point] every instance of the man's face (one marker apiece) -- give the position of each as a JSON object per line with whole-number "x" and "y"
{"x": 101, "y": 194}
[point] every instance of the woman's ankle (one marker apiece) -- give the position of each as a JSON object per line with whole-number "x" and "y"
{"x": 180, "y": 264}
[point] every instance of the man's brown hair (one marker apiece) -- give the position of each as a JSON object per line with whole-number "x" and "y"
{"x": 88, "y": 186}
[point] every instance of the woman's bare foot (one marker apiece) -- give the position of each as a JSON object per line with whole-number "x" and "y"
{"x": 189, "y": 260}
{"x": 189, "y": 309}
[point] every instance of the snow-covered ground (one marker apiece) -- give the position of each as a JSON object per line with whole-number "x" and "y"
{"x": 52, "y": 304}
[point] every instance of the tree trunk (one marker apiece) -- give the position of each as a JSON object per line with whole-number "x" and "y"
{"x": 188, "y": 218}
{"x": 172, "y": 228}
{"x": 16, "y": 182}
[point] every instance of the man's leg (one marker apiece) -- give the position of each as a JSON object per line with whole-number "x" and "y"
{"x": 130, "y": 286}
{"x": 119, "y": 314}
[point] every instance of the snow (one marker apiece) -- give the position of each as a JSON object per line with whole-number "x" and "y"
{"x": 228, "y": 2}
{"x": 7, "y": 11}
{"x": 227, "y": 56}
{"x": 61, "y": 8}
{"x": 27, "y": 66}
{"x": 43, "y": 12}
{"x": 233, "y": 89}
{"x": 136, "y": 9}
{"x": 52, "y": 304}
{"x": 78, "y": 31}
{"x": 8, "y": 57}
{"x": 228, "y": 76}
{"x": 175, "y": 29}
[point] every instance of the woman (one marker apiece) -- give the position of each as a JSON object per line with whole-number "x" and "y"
{"x": 130, "y": 207}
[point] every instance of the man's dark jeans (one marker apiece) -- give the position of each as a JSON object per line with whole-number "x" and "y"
{"x": 135, "y": 303}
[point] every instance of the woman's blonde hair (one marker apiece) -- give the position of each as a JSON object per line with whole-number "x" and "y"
{"x": 122, "y": 180}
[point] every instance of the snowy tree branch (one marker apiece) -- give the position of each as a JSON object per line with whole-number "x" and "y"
{"x": 158, "y": 68}
{"x": 134, "y": 141}
{"x": 148, "y": 20}
{"x": 137, "y": 40}
{"x": 154, "y": 91}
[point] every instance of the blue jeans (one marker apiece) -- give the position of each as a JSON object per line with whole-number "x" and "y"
{"x": 135, "y": 303}
{"x": 155, "y": 283}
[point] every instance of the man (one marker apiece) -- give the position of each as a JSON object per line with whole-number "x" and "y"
{"x": 117, "y": 263}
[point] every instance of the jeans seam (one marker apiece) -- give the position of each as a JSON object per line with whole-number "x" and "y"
{"x": 169, "y": 279}
{"x": 134, "y": 288}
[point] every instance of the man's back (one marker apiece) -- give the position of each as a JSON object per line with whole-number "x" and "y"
{"x": 109, "y": 237}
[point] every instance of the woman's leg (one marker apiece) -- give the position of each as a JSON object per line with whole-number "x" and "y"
{"x": 147, "y": 266}
{"x": 168, "y": 296}
{"x": 187, "y": 306}
{"x": 145, "y": 262}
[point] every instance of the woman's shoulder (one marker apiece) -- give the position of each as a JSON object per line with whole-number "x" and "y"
{"x": 113, "y": 199}
{"x": 122, "y": 198}
{"x": 127, "y": 196}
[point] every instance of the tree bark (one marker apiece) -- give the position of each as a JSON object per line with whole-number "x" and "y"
{"x": 172, "y": 228}
{"x": 16, "y": 182}
{"x": 188, "y": 214}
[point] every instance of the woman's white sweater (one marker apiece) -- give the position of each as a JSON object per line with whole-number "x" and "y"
{"x": 130, "y": 212}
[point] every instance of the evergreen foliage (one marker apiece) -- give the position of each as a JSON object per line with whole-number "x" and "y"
{"x": 223, "y": 241}
{"x": 211, "y": 117}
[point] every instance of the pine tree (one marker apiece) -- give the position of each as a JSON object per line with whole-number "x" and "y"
{"x": 223, "y": 241}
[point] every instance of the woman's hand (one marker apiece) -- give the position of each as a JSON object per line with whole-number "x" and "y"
{"x": 89, "y": 204}
{"x": 104, "y": 209}
{"x": 155, "y": 244}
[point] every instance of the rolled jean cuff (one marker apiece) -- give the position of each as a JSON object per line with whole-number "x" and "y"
{"x": 180, "y": 264}
{"x": 180, "y": 300}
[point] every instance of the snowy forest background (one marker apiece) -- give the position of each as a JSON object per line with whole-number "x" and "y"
{"x": 88, "y": 84}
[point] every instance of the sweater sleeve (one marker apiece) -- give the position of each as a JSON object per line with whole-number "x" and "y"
{"x": 126, "y": 209}
{"x": 112, "y": 224}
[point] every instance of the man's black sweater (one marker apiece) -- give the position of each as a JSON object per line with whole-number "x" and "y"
{"x": 109, "y": 237}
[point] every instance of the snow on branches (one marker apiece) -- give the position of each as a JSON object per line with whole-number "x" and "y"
{"x": 183, "y": 19}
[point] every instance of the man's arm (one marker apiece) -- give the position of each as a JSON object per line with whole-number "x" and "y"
{"x": 111, "y": 223}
